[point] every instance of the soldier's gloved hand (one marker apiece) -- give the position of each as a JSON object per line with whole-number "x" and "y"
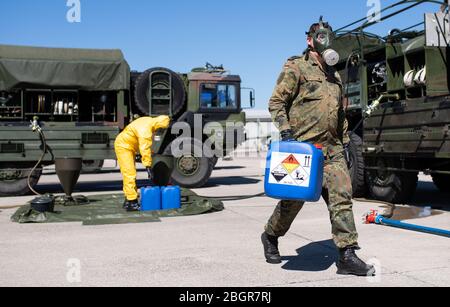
{"x": 138, "y": 158}
{"x": 150, "y": 174}
{"x": 287, "y": 136}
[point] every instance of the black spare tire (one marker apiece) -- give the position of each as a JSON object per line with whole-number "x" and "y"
{"x": 161, "y": 86}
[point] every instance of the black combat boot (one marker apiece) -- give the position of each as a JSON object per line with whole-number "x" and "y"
{"x": 271, "y": 251}
{"x": 132, "y": 205}
{"x": 350, "y": 264}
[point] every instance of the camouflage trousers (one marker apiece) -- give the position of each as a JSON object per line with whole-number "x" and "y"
{"x": 337, "y": 192}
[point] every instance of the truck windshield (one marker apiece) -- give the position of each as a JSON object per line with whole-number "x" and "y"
{"x": 218, "y": 96}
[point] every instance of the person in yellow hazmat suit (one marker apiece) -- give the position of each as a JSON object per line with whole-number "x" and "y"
{"x": 137, "y": 138}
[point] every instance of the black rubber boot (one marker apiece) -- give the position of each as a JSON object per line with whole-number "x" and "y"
{"x": 132, "y": 206}
{"x": 350, "y": 264}
{"x": 271, "y": 251}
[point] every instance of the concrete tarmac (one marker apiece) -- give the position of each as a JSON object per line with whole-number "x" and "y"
{"x": 220, "y": 249}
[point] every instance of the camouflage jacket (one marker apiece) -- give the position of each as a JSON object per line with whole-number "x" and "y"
{"x": 308, "y": 100}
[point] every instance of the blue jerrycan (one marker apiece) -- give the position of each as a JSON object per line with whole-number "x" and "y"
{"x": 171, "y": 197}
{"x": 294, "y": 171}
{"x": 150, "y": 199}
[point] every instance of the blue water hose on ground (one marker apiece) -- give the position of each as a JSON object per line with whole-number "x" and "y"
{"x": 374, "y": 218}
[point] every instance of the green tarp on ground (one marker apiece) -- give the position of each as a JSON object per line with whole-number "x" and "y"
{"x": 107, "y": 209}
{"x": 83, "y": 69}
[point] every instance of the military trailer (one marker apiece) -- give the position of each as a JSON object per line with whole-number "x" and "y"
{"x": 83, "y": 98}
{"x": 403, "y": 81}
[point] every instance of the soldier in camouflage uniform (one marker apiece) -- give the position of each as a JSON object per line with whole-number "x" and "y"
{"x": 307, "y": 106}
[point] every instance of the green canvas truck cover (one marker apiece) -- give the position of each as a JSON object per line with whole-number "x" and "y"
{"x": 62, "y": 68}
{"x": 348, "y": 43}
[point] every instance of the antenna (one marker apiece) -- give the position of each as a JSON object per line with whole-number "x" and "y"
{"x": 389, "y": 12}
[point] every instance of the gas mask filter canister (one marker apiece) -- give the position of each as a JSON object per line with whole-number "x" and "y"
{"x": 331, "y": 57}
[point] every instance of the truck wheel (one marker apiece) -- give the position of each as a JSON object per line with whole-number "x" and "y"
{"x": 442, "y": 182}
{"x": 14, "y": 182}
{"x": 92, "y": 166}
{"x": 391, "y": 187}
{"x": 190, "y": 171}
{"x": 357, "y": 166}
{"x": 141, "y": 91}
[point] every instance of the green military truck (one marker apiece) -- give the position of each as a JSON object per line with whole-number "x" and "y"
{"x": 84, "y": 98}
{"x": 403, "y": 81}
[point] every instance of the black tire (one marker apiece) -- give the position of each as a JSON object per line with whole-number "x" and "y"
{"x": 15, "y": 182}
{"x": 442, "y": 182}
{"x": 92, "y": 166}
{"x": 142, "y": 88}
{"x": 191, "y": 177}
{"x": 357, "y": 166}
{"x": 392, "y": 187}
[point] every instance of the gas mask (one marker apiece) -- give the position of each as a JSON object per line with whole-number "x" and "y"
{"x": 323, "y": 38}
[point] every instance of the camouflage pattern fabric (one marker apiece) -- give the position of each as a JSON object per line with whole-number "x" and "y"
{"x": 308, "y": 100}
{"x": 337, "y": 192}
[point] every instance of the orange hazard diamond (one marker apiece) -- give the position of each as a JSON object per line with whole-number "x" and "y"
{"x": 291, "y": 160}
{"x": 291, "y": 164}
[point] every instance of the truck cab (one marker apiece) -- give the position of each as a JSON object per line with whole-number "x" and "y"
{"x": 208, "y": 101}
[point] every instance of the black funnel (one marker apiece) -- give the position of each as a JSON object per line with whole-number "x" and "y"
{"x": 68, "y": 171}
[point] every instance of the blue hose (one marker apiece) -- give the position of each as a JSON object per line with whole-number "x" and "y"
{"x": 440, "y": 232}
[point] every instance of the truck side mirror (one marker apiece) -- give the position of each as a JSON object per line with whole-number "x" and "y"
{"x": 252, "y": 99}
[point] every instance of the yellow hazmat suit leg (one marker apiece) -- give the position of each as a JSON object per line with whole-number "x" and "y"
{"x": 126, "y": 160}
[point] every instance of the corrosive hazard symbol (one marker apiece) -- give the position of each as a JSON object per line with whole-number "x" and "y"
{"x": 279, "y": 173}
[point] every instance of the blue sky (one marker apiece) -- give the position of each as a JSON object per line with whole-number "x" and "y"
{"x": 251, "y": 38}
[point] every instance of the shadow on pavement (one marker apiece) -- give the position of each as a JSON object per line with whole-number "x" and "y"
{"x": 218, "y": 181}
{"x": 88, "y": 186}
{"x": 228, "y": 167}
{"x": 116, "y": 185}
{"x": 314, "y": 257}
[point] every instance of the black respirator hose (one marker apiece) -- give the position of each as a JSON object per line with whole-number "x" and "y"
{"x": 347, "y": 83}
{"x": 44, "y": 152}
